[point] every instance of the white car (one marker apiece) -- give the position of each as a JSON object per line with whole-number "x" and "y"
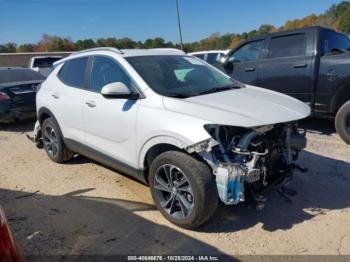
{"x": 189, "y": 131}
{"x": 212, "y": 57}
{"x": 43, "y": 64}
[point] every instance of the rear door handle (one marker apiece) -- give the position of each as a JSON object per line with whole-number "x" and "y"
{"x": 249, "y": 69}
{"x": 56, "y": 96}
{"x": 300, "y": 65}
{"x": 90, "y": 103}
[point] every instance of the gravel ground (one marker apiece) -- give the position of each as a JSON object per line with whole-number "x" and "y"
{"x": 84, "y": 208}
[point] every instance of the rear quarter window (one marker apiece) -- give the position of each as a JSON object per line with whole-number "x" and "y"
{"x": 333, "y": 40}
{"x": 73, "y": 72}
{"x": 286, "y": 46}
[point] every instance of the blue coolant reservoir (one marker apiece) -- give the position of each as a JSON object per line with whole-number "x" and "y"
{"x": 229, "y": 184}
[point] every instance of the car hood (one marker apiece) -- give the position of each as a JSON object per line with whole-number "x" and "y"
{"x": 246, "y": 107}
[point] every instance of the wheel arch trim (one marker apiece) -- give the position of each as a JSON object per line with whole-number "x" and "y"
{"x": 157, "y": 140}
{"x": 337, "y": 99}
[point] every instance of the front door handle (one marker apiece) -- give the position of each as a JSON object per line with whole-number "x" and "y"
{"x": 300, "y": 65}
{"x": 90, "y": 103}
{"x": 249, "y": 69}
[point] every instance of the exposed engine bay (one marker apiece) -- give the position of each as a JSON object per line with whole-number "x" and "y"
{"x": 251, "y": 161}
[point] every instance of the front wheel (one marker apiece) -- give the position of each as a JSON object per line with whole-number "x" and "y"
{"x": 342, "y": 122}
{"x": 183, "y": 189}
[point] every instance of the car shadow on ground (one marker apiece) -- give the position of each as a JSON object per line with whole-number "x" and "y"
{"x": 79, "y": 225}
{"x": 323, "y": 188}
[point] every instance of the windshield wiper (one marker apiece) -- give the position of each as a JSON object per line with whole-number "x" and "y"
{"x": 217, "y": 89}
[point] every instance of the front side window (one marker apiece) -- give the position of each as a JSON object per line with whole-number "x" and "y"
{"x": 106, "y": 71}
{"x": 73, "y": 72}
{"x": 334, "y": 41}
{"x": 246, "y": 53}
{"x": 181, "y": 76}
{"x": 286, "y": 46}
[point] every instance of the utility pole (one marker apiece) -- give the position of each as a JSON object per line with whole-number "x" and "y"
{"x": 179, "y": 24}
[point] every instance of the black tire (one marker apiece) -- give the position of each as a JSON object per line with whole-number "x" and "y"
{"x": 342, "y": 122}
{"x": 200, "y": 179}
{"x": 61, "y": 153}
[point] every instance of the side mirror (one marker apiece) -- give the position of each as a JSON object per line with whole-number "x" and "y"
{"x": 226, "y": 64}
{"x": 118, "y": 90}
{"x": 222, "y": 60}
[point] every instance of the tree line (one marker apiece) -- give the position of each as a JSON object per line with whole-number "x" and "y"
{"x": 337, "y": 17}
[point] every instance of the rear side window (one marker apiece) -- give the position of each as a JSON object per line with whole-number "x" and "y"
{"x": 285, "y": 46}
{"x": 200, "y": 56}
{"x": 332, "y": 40}
{"x": 73, "y": 72}
{"x": 212, "y": 58}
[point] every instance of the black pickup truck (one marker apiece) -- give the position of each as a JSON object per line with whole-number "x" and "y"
{"x": 311, "y": 64}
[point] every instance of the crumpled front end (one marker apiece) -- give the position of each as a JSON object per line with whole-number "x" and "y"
{"x": 249, "y": 162}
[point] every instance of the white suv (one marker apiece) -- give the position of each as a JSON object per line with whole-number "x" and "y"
{"x": 189, "y": 131}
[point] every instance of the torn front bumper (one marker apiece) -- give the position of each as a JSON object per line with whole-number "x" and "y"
{"x": 252, "y": 162}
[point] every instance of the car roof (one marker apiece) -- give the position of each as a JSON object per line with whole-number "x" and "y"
{"x": 13, "y": 68}
{"x": 123, "y": 52}
{"x": 209, "y": 52}
{"x": 148, "y": 52}
{"x": 47, "y": 56}
{"x": 290, "y": 31}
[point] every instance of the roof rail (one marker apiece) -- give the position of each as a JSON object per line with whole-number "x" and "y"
{"x": 113, "y": 49}
{"x": 170, "y": 49}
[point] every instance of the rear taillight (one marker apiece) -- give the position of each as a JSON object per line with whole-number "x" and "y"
{"x": 4, "y": 96}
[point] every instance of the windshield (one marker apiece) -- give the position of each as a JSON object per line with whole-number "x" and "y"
{"x": 181, "y": 76}
{"x": 11, "y": 75}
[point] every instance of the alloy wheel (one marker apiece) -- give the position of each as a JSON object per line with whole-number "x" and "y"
{"x": 50, "y": 141}
{"x": 173, "y": 191}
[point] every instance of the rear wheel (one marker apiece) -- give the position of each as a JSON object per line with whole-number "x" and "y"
{"x": 53, "y": 142}
{"x": 342, "y": 122}
{"x": 183, "y": 189}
